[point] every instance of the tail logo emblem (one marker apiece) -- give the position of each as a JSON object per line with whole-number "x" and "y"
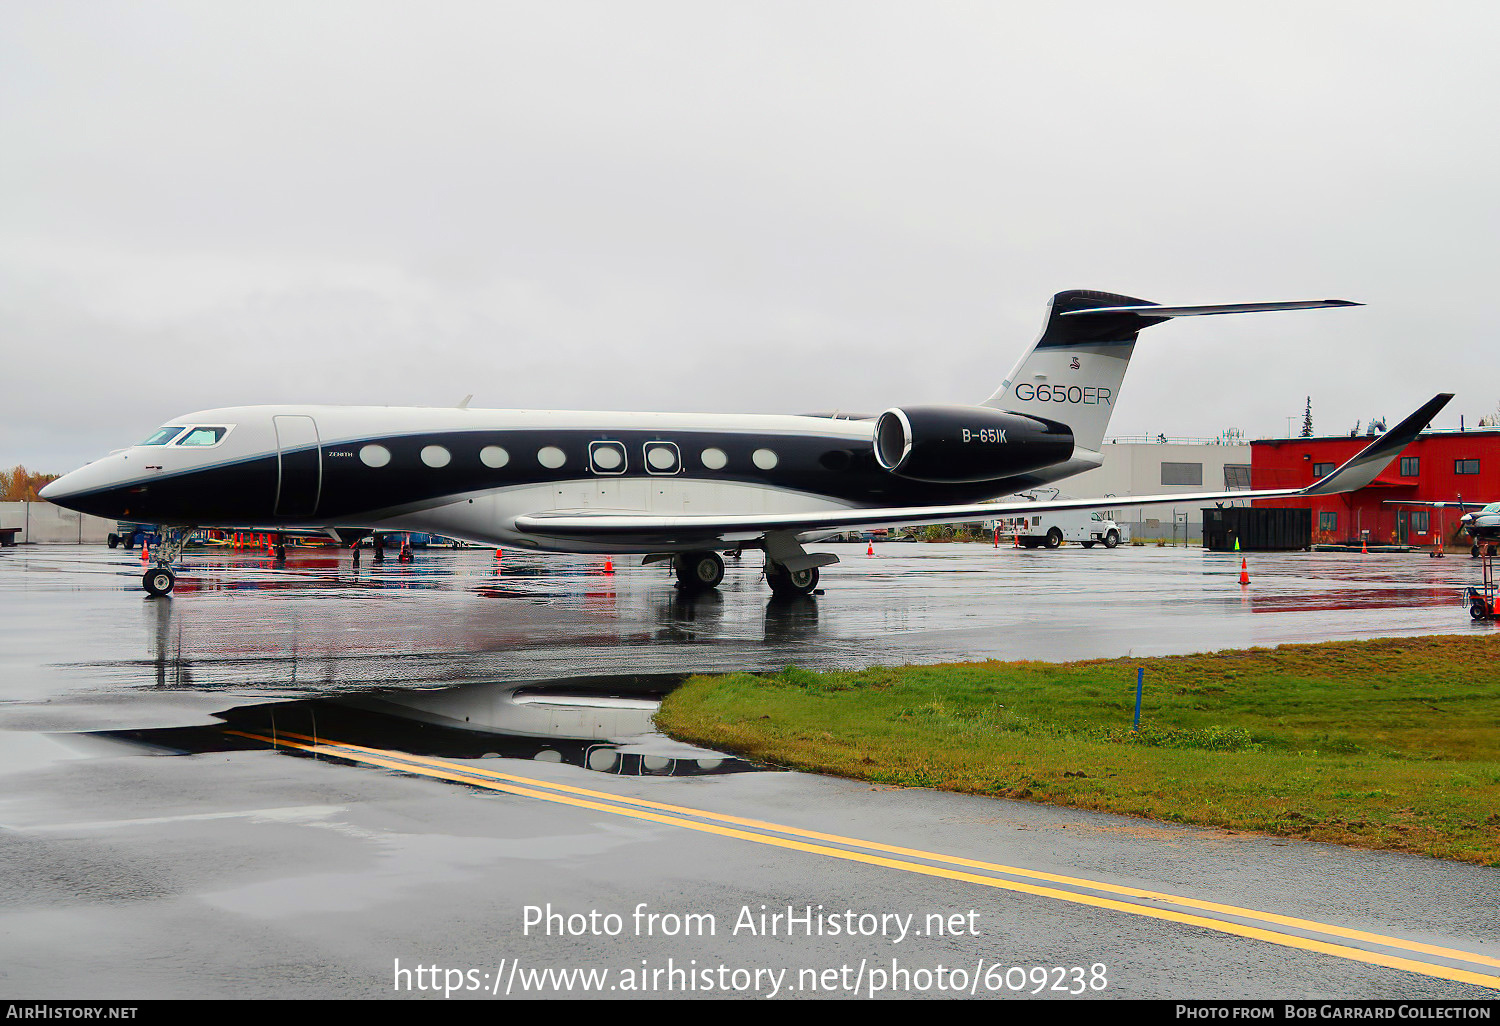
{"x": 1075, "y": 364}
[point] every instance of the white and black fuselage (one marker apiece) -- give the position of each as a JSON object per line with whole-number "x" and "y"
{"x": 471, "y": 474}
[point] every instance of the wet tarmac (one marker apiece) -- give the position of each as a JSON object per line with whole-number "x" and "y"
{"x": 393, "y": 762}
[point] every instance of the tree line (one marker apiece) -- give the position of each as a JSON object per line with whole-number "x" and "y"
{"x": 21, "y": 485}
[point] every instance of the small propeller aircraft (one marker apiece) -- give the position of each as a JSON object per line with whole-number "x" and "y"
{"x": 1482, "y": 525}
{"x": 669, "y": 486}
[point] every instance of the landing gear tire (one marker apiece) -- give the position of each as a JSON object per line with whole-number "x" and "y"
{"x": 790, "y": 583}
{"x": 1054, "y": 538}
{"x": 699, "y": 571}
{"x": 1111, "y": 539}
{"x": 158, "y": 581}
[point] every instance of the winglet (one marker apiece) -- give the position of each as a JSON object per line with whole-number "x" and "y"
{"x": 1367, "y": 464}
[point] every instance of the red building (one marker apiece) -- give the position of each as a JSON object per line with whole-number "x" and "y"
{"x": 1439, "y": 465}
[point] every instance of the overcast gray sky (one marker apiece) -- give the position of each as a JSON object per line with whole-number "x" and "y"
{"x": 738, "y": 206}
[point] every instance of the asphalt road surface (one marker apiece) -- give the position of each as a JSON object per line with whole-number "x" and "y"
{"x": 440, "y": 778}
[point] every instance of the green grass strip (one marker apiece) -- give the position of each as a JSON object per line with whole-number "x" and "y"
{"x": 1392, "y": 743}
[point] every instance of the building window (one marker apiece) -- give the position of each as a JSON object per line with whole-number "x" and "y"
{"x": 1328, "y": 521}
{"x": 1182, "y": 473}
{"x": 1322, "y": 469}
{"x": 1236, "y": 475}
{"x": 1466, "y": 466}
{"x": 1419, "y": 522}
{"x": 1411, "y": 466}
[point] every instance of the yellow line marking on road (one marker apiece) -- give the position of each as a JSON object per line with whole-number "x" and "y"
{"x": 423, "y": 766}
{"x": 1206, "y": 906}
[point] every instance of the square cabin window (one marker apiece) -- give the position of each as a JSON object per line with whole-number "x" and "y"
{"x": 1328, "y": 521}
{"x": 1322, "y": 469}
{"x": 1466, "y": 466}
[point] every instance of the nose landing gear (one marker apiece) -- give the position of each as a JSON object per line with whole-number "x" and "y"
{"x": 159, "y": 580}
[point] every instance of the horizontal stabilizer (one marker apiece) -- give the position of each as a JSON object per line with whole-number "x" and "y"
{"x": 1154, "y": 310}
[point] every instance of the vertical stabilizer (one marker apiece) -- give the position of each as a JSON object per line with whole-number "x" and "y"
{"x": 1073, "y": 373}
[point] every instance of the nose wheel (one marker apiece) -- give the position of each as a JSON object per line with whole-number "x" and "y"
{"x": 158, "y": 581}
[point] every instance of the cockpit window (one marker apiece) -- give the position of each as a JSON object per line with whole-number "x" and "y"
{"x": 163, "y": 436}
{"x": 1493, "y": 507}
{"x": 203, "y": 436}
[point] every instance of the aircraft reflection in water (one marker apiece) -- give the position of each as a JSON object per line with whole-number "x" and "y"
{"x": 600, "y": 724}
{"x": 337, "y": 641}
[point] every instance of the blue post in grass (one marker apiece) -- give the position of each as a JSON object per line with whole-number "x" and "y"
{"x": 1140, "y": 674}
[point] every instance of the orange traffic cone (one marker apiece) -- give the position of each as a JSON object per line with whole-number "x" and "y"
{"x": 145, "y": 550}
{"x": 497, "y": 554}
{"x": 1244, "y": 571}
{"x": 609, "y": 565}
{"x": 1363, "y": 550}
{"x": 1018, "y": 542}
{"x": 869, "y": 548}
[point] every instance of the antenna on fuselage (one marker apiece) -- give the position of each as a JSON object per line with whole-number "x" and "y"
{"x": 465, "y": 404}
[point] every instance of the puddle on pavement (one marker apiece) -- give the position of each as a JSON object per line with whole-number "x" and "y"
{"x": 602, "y": 724}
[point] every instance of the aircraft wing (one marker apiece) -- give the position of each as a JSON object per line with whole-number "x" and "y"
{"x": 625, "y": 525}
{"x": 1436, "y": 504}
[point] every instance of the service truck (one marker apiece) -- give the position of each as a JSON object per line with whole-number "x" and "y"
{"x": 1052, "y": 529}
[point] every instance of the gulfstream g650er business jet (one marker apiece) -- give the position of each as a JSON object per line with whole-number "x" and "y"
{"x": 673, "y": 486}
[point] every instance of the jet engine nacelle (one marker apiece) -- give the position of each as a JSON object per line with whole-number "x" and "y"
{"x": 967, "y": 444}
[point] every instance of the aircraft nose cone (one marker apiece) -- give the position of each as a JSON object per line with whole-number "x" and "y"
{"x": 54, "y": 490}
{"x": 89, "y": 489}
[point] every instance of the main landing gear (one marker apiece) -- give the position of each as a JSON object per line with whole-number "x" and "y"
{"x": 790, "y": 569}
{"x": 704, "y": 570}
{"x": 790, "y": 583}
{"x": 159, "y": 580}
{"x": 698, "y": 571}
